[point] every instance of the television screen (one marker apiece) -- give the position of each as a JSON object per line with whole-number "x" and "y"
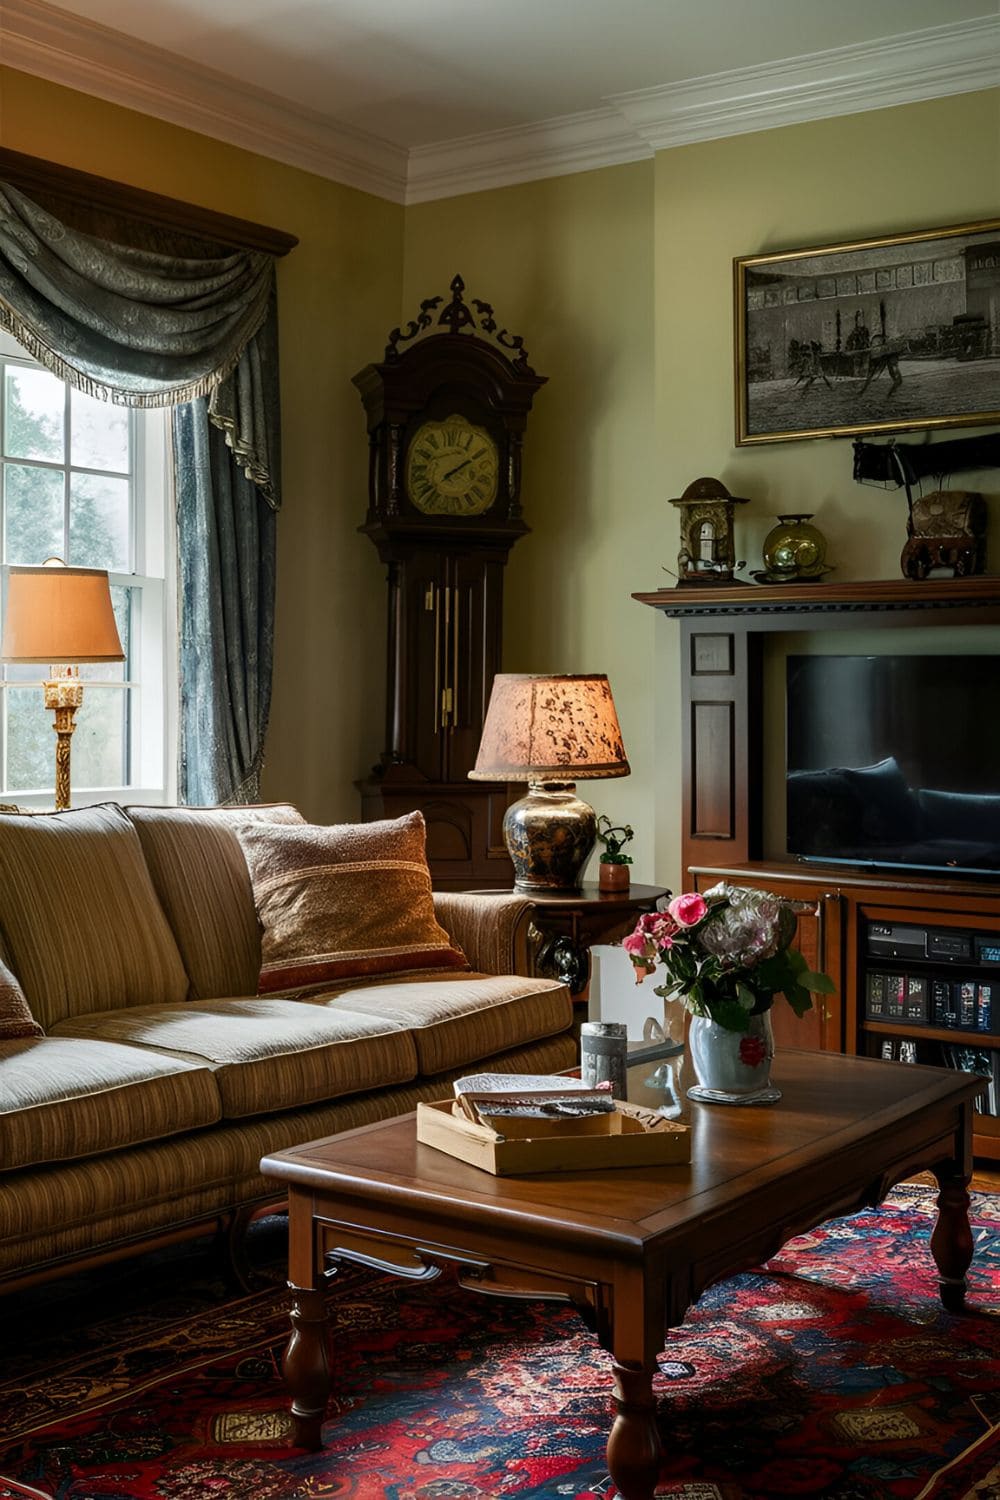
{"x": 894, "y": 761}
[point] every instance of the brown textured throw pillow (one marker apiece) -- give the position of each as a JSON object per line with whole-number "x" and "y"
{"x": 16, "y": 1020}
{"x": 344, "y": 902}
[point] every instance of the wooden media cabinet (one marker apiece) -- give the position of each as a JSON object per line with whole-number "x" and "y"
{"x": 848, "y": 911}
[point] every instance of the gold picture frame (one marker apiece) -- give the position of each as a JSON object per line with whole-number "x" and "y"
{"x": 875, "y": 335}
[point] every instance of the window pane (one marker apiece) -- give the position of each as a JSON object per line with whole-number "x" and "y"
{"x": 99, "y": 434}
{"x": 33, "y": 514}
{"x": 99, "y": 742}
{"x": 35, "y": 406}
{"x": 98, "y": 523}
{"x": 31, "y": 742}
{"x": 113, "y": 671}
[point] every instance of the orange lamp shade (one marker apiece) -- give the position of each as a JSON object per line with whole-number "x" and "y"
{"x": 59, "y": 614}
{"x": 550, "y": 729}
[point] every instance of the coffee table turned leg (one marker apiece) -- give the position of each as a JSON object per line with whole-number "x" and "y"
{"x": 951, "y": 1241}
{"x": 306, "y": 1366}
{"x": 634, "y": 1449}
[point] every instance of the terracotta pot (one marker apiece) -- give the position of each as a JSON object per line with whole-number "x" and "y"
{"x": 613, "y": 877}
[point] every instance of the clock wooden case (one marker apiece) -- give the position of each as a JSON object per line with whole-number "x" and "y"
{"x": 446, "y": 411}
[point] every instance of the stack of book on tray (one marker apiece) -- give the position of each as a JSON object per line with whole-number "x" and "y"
{"x": 491, "y": 1098}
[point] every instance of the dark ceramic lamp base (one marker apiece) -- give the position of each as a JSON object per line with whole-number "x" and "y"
{"x": 550, "y": 835}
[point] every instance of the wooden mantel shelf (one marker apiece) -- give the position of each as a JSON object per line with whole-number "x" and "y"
{"x": 878, "y": 594}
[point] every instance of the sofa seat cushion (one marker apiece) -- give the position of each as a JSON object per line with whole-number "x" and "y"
{"x": 63, "y": 1098}
{"x": 456, "y": 1019}
{"x": 266, "y": 1054}
{"x": 203, "y": 883}
{"x": 81, "y": 922}
{"x": 343, "y": 902}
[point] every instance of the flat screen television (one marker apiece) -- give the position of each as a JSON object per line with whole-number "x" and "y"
{"x": 894, "y": 761}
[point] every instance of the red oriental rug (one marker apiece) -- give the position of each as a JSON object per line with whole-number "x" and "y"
{"x": 833, "y": 1372}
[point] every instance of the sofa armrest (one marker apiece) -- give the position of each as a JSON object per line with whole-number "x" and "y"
{"x": 491, "y": 929}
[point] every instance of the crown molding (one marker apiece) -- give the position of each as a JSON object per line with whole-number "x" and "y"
{"x": 62, "y": 48}
{"x": 904, "y": 69}
{"x": 499, "y": 158}
{"x": 50, "y": 43}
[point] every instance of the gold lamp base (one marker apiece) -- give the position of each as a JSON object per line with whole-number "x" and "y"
{"x": 63, "y": 694}
{"x": 549, "y": 834}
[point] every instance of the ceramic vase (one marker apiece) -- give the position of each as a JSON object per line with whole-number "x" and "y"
{"x": 732, "y": 1067}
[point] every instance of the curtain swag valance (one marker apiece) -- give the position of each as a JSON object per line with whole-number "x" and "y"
{"x": 146, "y": 329}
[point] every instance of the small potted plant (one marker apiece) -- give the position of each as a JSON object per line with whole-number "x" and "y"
{"x": 613, "y": 872}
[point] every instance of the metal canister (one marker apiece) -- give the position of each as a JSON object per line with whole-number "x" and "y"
{"x": 603, "y": 1055}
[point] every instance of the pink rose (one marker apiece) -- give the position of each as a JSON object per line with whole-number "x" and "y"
{"x": 657, "y": 925}
{"x": 635, "y": 944}
{"x": 688, "y": 910}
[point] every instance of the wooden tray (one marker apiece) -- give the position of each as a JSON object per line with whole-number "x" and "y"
{"x": 630, "y": 1137}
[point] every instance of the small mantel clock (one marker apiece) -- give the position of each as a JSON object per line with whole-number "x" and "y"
{"x": 446, "y": 411}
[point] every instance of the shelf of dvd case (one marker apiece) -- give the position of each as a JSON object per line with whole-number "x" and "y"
{"x": 967, "y": 1057}
{"x": 970, "y": 1005}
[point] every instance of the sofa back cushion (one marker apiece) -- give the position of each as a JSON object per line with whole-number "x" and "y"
{"x": 80, "y": 918}
{"x": 345, "y": 902}
{"x": 201, "y": 878}
{"x": 16, "y": 1020}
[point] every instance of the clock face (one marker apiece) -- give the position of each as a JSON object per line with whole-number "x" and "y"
{"x": 452, "y": 468}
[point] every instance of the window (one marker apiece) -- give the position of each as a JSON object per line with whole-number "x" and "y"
{"x": 88, "y": 481}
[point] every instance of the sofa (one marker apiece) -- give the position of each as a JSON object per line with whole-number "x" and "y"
{"x": 145, "y": 1066}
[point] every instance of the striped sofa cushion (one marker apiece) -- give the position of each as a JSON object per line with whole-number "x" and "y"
{"x": 62, "y": 1099}
{"x": 16, "y": 1019}
{"x": 202, "y": 880}
{"x": 344, "y": 902}
{"x": 81, "y": 922}
{"x": 457, "y": 1019}
{"x": 265, "y": 1054}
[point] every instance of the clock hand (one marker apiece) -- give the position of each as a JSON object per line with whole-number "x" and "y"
{"x": 456, "y": 468}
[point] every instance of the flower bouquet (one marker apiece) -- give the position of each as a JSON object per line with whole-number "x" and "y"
{"x": 726, "y": 954}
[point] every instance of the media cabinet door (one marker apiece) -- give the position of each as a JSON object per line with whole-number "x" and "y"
{"x": 820, "y": 940}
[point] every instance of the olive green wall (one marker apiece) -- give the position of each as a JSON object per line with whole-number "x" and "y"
{"x": 339, "y": 292}
{"x": 568, "y": 264}
{"x": 620, "y": 282}
{"x": 881, "y": 172}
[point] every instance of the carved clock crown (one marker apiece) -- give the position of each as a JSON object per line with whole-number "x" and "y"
{"x": 453, "y": 360}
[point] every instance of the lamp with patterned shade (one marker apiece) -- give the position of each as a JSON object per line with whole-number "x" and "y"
{"x": 60, "y": 616}
{"x": 550, "y": 732}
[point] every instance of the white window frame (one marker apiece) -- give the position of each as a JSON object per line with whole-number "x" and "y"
{"x": 153, "y": 688}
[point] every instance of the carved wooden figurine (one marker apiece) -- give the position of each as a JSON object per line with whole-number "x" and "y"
{"x": 946, "y": 534}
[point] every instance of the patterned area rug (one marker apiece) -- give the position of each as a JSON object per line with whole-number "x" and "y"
{"x": 832, "y": 1372}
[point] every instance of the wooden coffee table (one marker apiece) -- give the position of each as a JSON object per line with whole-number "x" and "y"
{"x": 631, "y": 1249}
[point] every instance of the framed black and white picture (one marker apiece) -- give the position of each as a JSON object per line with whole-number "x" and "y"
{"x": 869, "y": 336}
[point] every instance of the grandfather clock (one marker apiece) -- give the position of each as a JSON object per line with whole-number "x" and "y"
{"x": 446, "y": 410}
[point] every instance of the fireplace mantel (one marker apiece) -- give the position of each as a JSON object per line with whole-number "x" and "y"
{"x": 698, "y": 601}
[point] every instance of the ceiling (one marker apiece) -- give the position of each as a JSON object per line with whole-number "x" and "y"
{"x": 400, "y": 79}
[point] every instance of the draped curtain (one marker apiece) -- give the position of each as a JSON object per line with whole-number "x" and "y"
{"x": 145, "y": 328}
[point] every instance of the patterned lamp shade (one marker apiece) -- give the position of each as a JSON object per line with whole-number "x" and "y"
{"x": 550, "y": 732}
{"x": 550, "y": 729}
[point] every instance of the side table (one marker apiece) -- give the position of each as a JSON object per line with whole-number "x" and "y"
{"x": 567, "y": 924}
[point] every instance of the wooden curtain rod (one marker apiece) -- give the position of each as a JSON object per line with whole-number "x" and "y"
{"x": 31, "y": 174}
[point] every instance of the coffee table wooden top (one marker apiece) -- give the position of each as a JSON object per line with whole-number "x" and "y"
{"x": 842, "y": 1123}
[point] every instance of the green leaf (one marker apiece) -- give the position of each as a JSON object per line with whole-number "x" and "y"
{"x": 729, "y": 1014}
{"x": 745, "y": 995}
{"x": 820, "y": 984}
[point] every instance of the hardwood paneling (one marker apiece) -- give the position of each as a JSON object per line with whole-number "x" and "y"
{"x": 712, "y": 756}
